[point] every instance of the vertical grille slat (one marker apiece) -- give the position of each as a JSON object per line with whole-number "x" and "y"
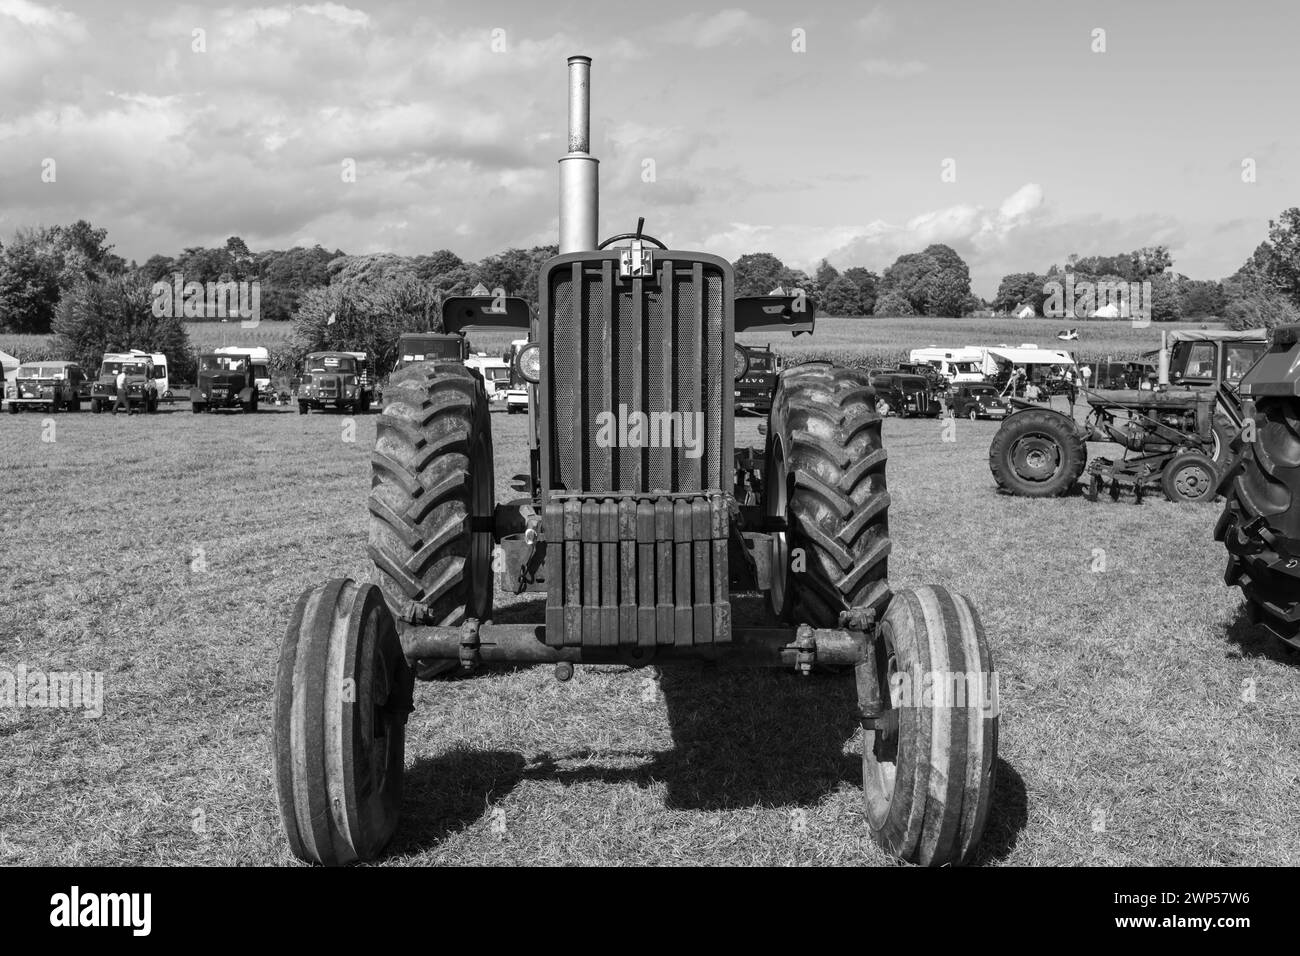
{"x": 690, "y": 375}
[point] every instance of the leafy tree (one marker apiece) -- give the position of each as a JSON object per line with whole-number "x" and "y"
{"x": 1200, "y": 298}
{"x": 894, "y": 304}
{"x": 515, "y": 270}
{"x": 116, "y": 314}
{"x": 1254, "y": 301}
{"x": 367, "y": 316}
{"x": 1018, "y": 288}
{"x": 30, "y": 274}
{"x": 758, "y": 273}
{"x": 844, "y": 297}
{"x": 1278, "y": 258}
{"x": 1166, "y": 304}
{"x": 867, "y": 282}
{"x": 158, "y": 268}
{"x": 934, "y": 282}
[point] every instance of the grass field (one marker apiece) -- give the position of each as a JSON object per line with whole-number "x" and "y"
{"x": 1143, "y": 721}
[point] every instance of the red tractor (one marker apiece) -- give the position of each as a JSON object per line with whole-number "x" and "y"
{"x": 639, "y": 524}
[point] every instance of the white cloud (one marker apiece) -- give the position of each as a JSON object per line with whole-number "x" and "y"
{"x": 878, "y": 24}
{"x": 899, "y": 69}
{"x": 52, "y": 19}
{"x": 721, "y": 28}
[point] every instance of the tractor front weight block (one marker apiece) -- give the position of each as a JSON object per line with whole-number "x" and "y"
{"x": 793, "y": 648}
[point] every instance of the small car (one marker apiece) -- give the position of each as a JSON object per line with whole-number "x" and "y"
{"x": 978, "y": 401}
{"x": 904, "y": 394}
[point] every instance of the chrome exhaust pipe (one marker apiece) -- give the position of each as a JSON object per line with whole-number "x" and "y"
{"x": 579, "y": 179}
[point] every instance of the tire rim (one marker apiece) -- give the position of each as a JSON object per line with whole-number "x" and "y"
{"x": 973, "y": 415}
{"x": 777, "y": 494}
{"x": 880, "y": 775}
{"x": 1035, "y": 457}
{"x": 1193, "y": 482}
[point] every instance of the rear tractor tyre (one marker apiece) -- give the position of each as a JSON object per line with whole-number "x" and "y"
{"x": 343, "y": 691}
{"x": 826, "y": 478}
{"x": 928, "y": 775}
{"x": 431, "y": 483}
{"x": 1037, "y": 454}
{"x": 1190, "y": 477}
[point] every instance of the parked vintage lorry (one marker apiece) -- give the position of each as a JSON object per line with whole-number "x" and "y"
{"x": 337, "y": 380}
{"x": 637, "y": 523}
{"x": 226, "y": 380}
{"x": 756, "y": 379}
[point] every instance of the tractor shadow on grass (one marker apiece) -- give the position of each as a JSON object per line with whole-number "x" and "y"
{"x": 445, "y": 794}
{"x": 1253, "y": 640}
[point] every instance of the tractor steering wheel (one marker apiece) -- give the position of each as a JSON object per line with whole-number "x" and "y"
{"x": 631, "y": 235}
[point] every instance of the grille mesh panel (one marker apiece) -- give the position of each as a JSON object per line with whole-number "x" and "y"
{"x": 650, "y": 346}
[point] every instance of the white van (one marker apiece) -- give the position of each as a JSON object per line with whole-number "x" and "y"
{"x": 495, "y": 372}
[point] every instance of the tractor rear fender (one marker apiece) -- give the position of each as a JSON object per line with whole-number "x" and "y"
{"x": 462, "y": 312}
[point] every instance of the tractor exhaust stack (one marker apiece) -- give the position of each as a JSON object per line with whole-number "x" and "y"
{"x": 579, "y": 179}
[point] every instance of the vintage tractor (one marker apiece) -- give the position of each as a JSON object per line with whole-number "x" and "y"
{"x": 1175, "y": 435}
{"x": 1260, "y": 524}
{"x": 639, "y": 525}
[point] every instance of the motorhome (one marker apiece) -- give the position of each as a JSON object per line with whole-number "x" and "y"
{"x": 957, "y": 365}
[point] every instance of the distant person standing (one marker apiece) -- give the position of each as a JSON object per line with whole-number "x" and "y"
{"x": 120, "y": 383}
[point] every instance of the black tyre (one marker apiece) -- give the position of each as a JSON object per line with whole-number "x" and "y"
{"x": 1260, "y": 524}
{"x": 972, "y": 415}
{"x": 1037, "y": 454}
{"x": 1190, "y": 477}
{"x": 826, "y": 477}
{"x": 431, "y": 476}
{"x": 96, "y": 406}
{"x": 302, "y": 408}
{"x": 198, "y": 407}
{"x": 13, "y": 408}
{"x": 928, "y": 774}
{"x": 343, "y": 691}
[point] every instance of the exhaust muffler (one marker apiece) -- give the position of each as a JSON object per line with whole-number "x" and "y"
{"x": 579, "y": 177}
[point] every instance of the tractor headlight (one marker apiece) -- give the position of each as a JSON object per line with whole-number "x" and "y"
{"x": 529, "y": 362}
{"x": 742, "y": 362}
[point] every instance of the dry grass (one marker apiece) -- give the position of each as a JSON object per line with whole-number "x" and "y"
{"x": 1122, "y": 689}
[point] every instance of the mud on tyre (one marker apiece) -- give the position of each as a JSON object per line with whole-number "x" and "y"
{"x": 826, "y": 477}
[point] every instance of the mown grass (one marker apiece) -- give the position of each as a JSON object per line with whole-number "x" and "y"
{"x": 1127, "y": 735}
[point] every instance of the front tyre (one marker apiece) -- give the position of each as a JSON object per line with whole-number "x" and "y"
{"x": 343, "y": 691}
{"x": 928, "y": 767}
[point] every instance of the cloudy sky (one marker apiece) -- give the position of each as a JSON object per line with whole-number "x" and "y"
{"x": 454, "y": 114}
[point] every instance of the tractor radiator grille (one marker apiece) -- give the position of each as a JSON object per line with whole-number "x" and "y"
{"x": 639, "y": 375}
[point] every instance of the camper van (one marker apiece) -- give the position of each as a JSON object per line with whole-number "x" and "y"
{"x": 957, "y": 365}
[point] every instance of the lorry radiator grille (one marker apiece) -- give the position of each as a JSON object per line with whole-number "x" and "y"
{"x": 639, "y": 376}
